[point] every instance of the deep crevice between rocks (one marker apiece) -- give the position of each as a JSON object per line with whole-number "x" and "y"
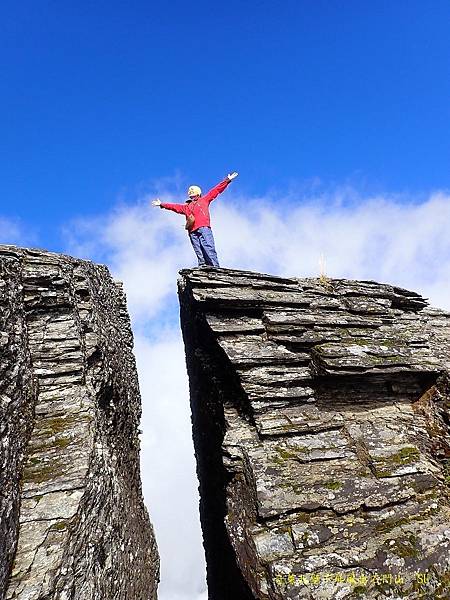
{"x": 225, "y": 579}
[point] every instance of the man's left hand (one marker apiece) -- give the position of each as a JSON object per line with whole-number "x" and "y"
{"x": 232, "y": 176}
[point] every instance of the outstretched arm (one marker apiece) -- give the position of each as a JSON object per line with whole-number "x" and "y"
{"x": 220, "y": 187}
{"x": 178, "y": 208}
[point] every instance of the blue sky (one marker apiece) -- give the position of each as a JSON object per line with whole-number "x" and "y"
{"x": 335, "y": 113}
{"x": 98, "y": 99}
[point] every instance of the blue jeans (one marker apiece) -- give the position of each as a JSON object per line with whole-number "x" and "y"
{"x": 202, "y": 241}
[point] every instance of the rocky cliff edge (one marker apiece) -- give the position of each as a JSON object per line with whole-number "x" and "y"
{"x": 72, "y": 520}
{"x": 320, "y": 414}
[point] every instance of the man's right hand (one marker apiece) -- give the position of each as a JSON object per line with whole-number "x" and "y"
{"x": 156, "y": 202}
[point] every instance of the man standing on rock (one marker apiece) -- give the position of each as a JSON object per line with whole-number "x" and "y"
{"x": 196, "y": 210}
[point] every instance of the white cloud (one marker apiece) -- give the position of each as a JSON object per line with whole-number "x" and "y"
{"x": 168, "y": 464}
{"x": 13, "y": 231}
{"x": 388, "y": 239}
{"x": 142, "y": 249}
{"x": 379, "y": 238}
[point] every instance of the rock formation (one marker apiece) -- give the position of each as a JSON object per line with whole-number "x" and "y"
{"x": 72, "y": 520}
{"x": 320, "y": 413}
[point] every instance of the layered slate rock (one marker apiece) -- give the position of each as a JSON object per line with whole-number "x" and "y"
{"x": 72, "y": 520}
{"x": 320, "y": 413}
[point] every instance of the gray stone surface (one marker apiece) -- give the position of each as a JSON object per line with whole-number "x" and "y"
{"x": 72, "y": 520}
{"x": 321, "y": 413}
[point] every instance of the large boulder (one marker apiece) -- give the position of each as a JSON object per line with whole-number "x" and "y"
{"x": 320, "y": 413}
{"x": 72, "y": 520}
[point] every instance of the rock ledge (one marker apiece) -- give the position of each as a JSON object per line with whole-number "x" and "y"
{"x": 320, "y": 413}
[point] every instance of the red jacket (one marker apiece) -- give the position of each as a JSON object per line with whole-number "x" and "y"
{"x": 199, "y": 208}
